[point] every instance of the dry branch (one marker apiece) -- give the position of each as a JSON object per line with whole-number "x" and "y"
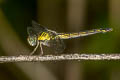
{"x": 37, "y": 58}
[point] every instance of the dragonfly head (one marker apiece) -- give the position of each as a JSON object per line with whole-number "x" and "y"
{"x": 32, "y": 40}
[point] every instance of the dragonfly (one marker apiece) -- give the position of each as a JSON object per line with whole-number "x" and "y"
{"x": 38, "y": 35}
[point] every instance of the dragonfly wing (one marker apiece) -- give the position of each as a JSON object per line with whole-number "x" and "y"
{"x": 57, "y": 45}
{"x": 30, "y": 31}
{"x": 38, "y": 28}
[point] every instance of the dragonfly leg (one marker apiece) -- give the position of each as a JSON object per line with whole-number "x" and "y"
{"x": 35, "y": 48}
{"x": 41, "y": 49}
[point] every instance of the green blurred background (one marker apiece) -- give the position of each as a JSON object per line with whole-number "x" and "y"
{"x": 61, "y": 16}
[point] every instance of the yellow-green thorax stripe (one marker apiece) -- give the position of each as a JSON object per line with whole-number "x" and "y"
{"x": 44, "y": 36}
{"x": 83, "y": 33}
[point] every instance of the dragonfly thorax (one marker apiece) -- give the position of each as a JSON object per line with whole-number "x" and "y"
{"x": 32, "y": 40}
{"x": 46, "y": 36}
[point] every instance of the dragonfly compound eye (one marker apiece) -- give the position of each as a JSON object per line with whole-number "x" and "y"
{"x": 32, "y": 40}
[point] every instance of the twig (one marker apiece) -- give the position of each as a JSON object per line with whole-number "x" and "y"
{"x": 37, "y": 58}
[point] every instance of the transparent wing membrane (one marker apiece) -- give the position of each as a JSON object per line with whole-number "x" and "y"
{"x": 38, "y": 28}
{"x": 57, "y": 45}
{"x": 30, "y": 31}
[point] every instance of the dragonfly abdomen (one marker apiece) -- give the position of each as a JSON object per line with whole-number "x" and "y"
{"x": 83, "y": 33}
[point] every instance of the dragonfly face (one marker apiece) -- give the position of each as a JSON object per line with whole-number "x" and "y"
{"x": 32, "y": 40}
